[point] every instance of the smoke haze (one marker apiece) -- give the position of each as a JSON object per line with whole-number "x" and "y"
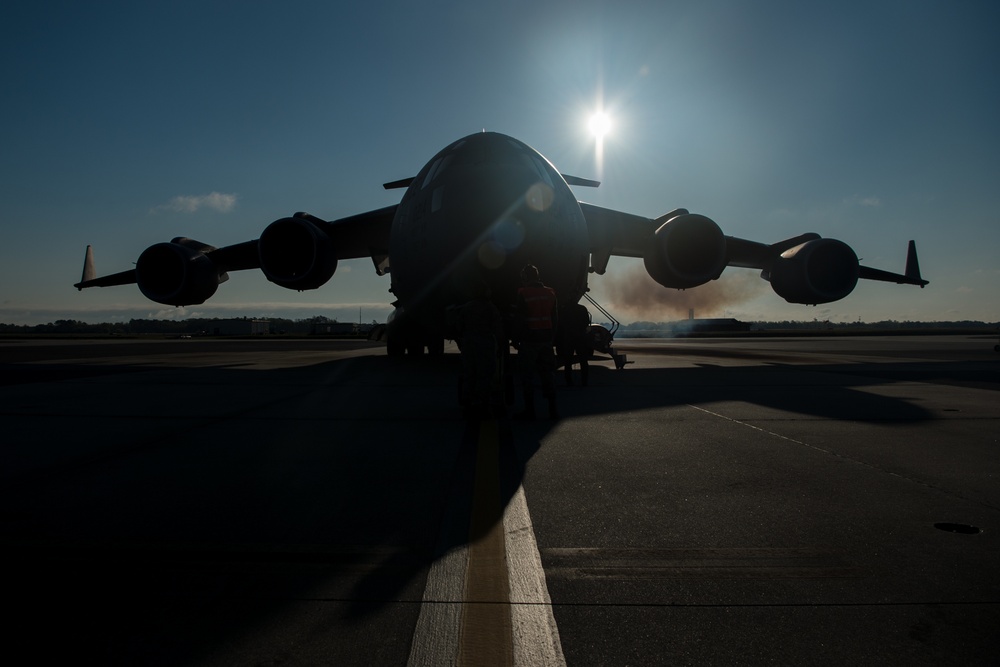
{"x": 637, "y": 296}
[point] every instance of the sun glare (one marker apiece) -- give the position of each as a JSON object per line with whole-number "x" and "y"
{"x": 600, "y": 124}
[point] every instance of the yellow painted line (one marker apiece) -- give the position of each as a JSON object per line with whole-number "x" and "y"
{"x": 486, "y": 637}
{"x": 485, "y": 601}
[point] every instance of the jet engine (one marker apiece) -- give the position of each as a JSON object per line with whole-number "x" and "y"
{"x": 817, "y": 271}
{"x": 688, "y": 250}
{"x": 178, "y": 273}
{"x": 295, "y": 253}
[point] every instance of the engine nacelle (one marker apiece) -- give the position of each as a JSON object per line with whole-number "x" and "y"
{"x": 688, "y": 250}
{"x": 818, "y": 271}
{"x": 177, "y": 275}
{"x": 296, "y": 254}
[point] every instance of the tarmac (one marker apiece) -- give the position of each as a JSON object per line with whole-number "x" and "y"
{"x": 821, "y": 500}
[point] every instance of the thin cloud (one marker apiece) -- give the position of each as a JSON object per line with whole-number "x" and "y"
{"x": 178, "y": 313}
{"x": 867, "y": 202}
{"x": 216, "y": 201}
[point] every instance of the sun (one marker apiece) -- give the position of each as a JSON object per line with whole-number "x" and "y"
{"x": 599, "y": 124}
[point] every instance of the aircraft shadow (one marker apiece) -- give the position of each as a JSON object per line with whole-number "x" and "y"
{"x": 826, "y": 392}
{"x": 309, "y": 486}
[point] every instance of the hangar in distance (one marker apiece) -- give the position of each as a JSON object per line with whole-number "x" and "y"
{"x": 477, "y": 212}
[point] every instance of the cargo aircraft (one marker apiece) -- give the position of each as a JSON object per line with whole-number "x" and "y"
{"x": 478, "y": 211}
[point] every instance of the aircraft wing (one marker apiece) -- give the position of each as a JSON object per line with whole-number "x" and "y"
{"x": 681, "y": 250}
{"x": 754, "y": 255}
{"x": 299, "y": 252}
{"x": 616, "y": 233}
{"x": 362, "y": 235}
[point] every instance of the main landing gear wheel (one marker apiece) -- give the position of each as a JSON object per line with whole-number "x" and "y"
{"x": 407, "y": 339}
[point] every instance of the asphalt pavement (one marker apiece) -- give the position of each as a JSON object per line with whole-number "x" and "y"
{"x": 716, "y": 501}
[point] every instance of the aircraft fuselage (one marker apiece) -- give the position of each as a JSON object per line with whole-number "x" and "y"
{"x": 480, "y": 210}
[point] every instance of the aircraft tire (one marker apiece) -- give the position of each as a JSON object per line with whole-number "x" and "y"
{"x": 395, "y": 340}
{"x": 394, "y": 346}
{"x": 435, "y": 346}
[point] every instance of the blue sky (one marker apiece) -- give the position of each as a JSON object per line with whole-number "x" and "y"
{"x": 124, "y": 124}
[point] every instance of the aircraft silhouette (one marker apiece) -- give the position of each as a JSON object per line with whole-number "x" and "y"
{"x": 478, "y": 211}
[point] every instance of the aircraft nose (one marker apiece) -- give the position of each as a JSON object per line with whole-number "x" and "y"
{"x": 500, "y": 240}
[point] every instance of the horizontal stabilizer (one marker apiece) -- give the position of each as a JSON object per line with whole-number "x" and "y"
{"x": 401, "y": 183}
{"x": 576, "y": 180}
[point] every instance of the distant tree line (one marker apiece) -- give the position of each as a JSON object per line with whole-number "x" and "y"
{"x": 652, "y": 329}
{"x": 191, "y": 327}
{"x": 278, "y": 326}
{"x": 895, "y": 325}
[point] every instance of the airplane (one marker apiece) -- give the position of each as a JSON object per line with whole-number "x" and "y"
{"x": 479, "y": 211}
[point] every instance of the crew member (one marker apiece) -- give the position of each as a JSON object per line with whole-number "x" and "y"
{"x": 536, "y": 316}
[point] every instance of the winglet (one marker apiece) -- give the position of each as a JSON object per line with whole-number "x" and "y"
{"x": 910, "y": 275}
{"x": 912, "y": 270}
{"x": 88, "y": 267}
{"x": 90, "y": 278}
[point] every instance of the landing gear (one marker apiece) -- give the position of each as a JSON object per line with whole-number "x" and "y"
{"x": 435, "y": 345}
{"x": 395, "y": 345}
{"x": 410, "y": 339}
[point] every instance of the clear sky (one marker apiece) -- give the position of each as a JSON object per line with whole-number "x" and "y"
{"x": 123, "y": 124}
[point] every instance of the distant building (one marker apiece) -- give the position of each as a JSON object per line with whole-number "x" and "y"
{"x": 241, "y": 327}
{"x": 340, "y": 329}
{"x": 334, "y": 329}
{"x": 711, "y": 325}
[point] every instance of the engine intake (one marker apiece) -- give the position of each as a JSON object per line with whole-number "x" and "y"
{"x": 177, "y": 275}
{"x": 688, "y": 250}
{"x": 818, "y": 271}
{"x": 296, "y": 254}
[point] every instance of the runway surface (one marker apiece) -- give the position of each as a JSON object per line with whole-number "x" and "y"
{"x": 717, "y": 501}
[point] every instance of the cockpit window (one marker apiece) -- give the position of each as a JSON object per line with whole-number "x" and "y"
{"x": 444, "y": 165}
{"x": 543, "y": 171}
{"x": 525, "y": 157}
{"x": 438, "y": 168}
